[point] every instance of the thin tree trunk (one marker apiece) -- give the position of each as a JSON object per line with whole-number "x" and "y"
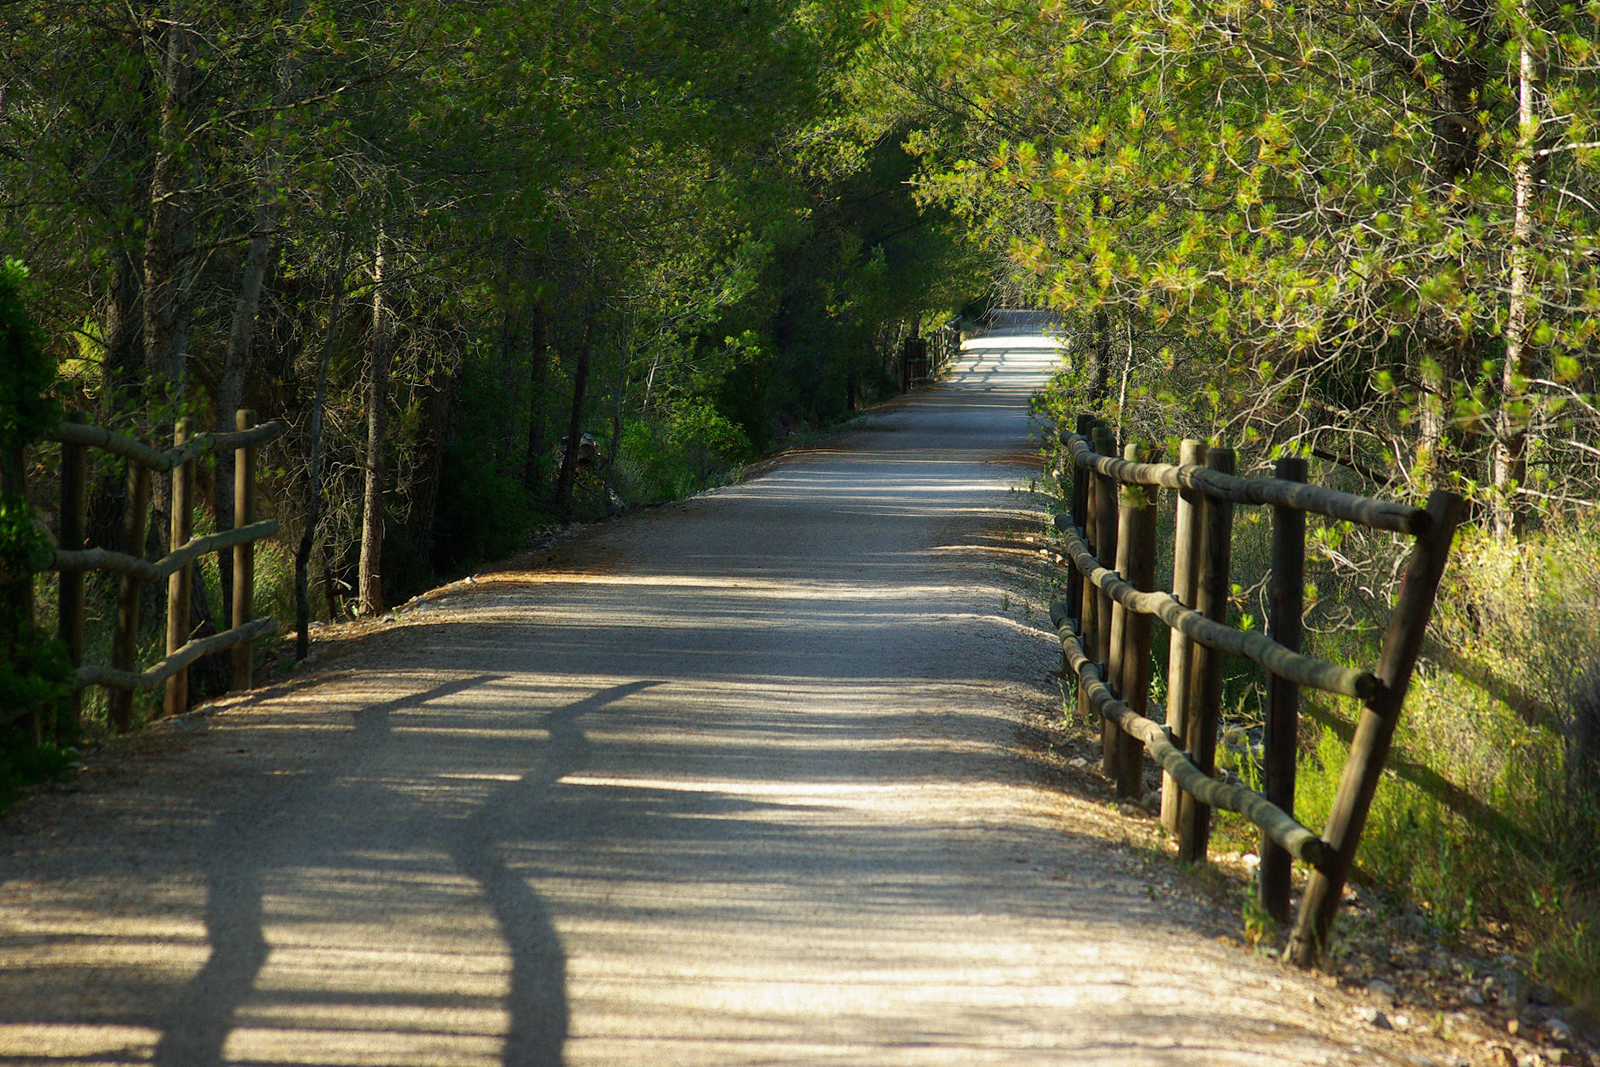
{"x": 123, "y": 326}
{"x": 124, "y": 359}
{"x": 538, "y": 380}
{"x": 236, "y": 362}
{"x": 1511, "y": 421}
{"x": 1100, "y": 373}
{"x": 620, "y": 397}
{"x": 170, "y": 236}
{"x": 302, "y": 556}
{"x": 241, "y": 333}
{"x": 370, "y": 583}
{"x": 580, "y": 383}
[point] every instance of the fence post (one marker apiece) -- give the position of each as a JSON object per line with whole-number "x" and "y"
{"x": 1375, "y": 732}
{"x": 1205, "y": 675}
{"x": 1185, "y": 558}
{"x": 1129, "y": 665}
{"x": 177, "y": 692}
{"x": 1080, "y": 519}
{"x": 1088, "y": 595}
{"x": 125, "y": 644}
{"x": 1105, "y": 550}
{"x": 244, "y": 556}
{"x": 69, "y": 616}
{"x": 1281, "y": 733}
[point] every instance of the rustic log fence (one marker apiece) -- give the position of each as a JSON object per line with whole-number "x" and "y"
{"x": 1104, "y": 626}
{"x": 944, "y": 344}
{"x": 72, "y": 560}
{"x": 923, "y": 359}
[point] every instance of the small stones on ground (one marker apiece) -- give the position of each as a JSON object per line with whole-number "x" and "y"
{"x": 1382, "y": 992}
{"x": 1373, "y": 1017}
{"x": 1472, "y": 996}
{"x": 1420, "y": 1061}
{"x": 1558, "y": 1029}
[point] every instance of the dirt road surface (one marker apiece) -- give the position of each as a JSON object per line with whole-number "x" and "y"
{"x": 730, "y": 782}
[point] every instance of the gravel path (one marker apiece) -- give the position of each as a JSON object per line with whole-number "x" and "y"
{"x": 730, "y": 782}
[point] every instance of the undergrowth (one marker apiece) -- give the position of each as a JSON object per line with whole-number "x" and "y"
{"x": 1488, "y": 815}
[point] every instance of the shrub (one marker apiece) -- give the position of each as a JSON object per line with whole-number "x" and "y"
{"x": 680, "y": 449}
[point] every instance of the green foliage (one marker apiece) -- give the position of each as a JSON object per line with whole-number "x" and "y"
{"x": 35, "y": 672}
{"x": 485, "y": 512}
{"x": 23, "y": 763}
{"x": 1168, "y": 175}
{"x": 34, "y": 669}
{"x": 24, "y": 546}
{"x": 1486, "y": 814}
{"x": 677, "y": 451}
{"x": 27, "y": 372}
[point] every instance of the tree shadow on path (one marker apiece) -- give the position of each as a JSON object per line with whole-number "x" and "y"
{"x": 240, "y": 853}
{"x": 537, "y": 1000}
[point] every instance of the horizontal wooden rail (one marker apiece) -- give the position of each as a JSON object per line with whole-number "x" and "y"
{"x": 86, "y": 559}
{"x": 1297, "y": 668}
{"x": 94, "y": 674}
{"x": 1296, "y": 839}
{"x": 154, "y": 459}
{"x": 1378, "y": 514}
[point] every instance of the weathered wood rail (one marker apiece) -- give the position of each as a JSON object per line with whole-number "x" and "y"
{"x": 73, "y": 559}
{"x": 1104, "y": 626}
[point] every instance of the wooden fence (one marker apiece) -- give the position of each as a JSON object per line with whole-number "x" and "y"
{"x": 1104, "y": 626}
{"x": 73, "y": 559}
{"x": 923, "y": 359}
{"x": 944, "y": 344}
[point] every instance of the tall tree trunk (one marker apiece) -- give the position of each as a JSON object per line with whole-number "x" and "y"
{"x": 1511, "y": 421}
{"x": 619, "y": 398}
{"x": 124, "y": 327}
{"x": 441, "y": 404}
{"x": 124, "y": 360}
{"x": 580, "y": 383}
{"x": 538, "y": 380}
{"x": 1100, "y": 372}
{"x": 370, "y": 582}
{"x": 253, "y": 271}
{"x": 236, "y": 359}
{"x": 169, "y": 239}
{"x": 302, "y": 555}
